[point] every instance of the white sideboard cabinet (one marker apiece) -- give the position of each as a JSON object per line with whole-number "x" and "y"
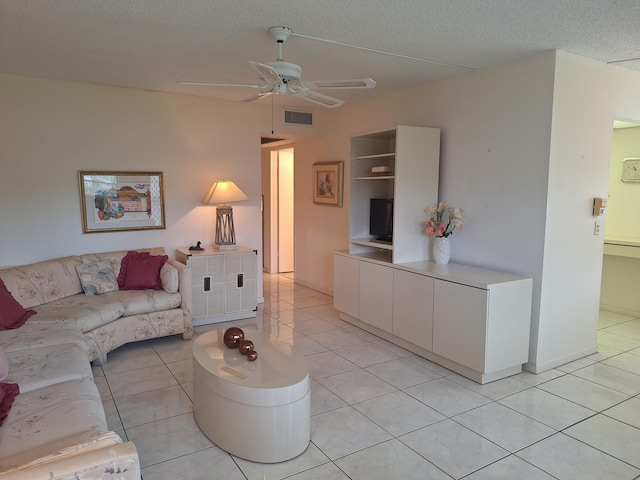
{"x": 471, "y": 320}
{"x": 224, "y": 283}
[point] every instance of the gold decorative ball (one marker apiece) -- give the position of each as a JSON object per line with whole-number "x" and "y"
{"x": 233, "y": 337}
{"x": 252, "y": 355}
{"x": 246, "y": 346}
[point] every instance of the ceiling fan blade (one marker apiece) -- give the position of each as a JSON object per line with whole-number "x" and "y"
{"x": 340, "y": 84}
{"x": 267, "y": 73}
{"x": 207, "y": 84}
{"x": 319, "y": 98}
{"x": 256, "y": 96}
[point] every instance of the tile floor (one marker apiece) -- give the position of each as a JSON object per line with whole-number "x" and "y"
{"x": 380, "y": 412}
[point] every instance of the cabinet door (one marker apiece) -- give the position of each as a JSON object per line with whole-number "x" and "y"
{"x": 376, "y": 295}
{"x": 207, "y": 285}
{"x": 346, "y": 285}
{"x": 413, "y": 308}
{"x": 460, "y": 323}
{"x": 240, "y": 282}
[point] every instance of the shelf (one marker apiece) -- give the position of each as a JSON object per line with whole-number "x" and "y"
{"x": 377, "y": 155}
{"x": 376, "y": 177}
{"x": 369, "y": 242}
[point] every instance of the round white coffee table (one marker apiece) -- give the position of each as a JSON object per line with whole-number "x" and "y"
{"x": 260, "y": 410}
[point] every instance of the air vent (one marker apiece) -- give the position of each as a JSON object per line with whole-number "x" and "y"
{"x": 299, "y": 118}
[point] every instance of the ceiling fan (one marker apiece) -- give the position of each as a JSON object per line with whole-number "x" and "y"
{"x": 281, "y": 77}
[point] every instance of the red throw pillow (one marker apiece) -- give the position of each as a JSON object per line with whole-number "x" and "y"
{"x": 144, "y": 273}
{"x": 124, "y": 265}
{"x": 12, "y": 314}
{"x": 8, "y": 392}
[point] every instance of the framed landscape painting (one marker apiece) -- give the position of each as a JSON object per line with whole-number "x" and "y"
{"x": 121, "y": 201}
{"x": 328, "y": 183}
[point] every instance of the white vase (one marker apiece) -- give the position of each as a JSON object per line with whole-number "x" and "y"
{"x": 441, "y": 250}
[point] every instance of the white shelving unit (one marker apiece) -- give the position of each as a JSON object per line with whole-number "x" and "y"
{"x": 411, "y": 157}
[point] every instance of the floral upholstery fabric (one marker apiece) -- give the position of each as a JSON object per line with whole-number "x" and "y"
{"x": 36, "y": 335}
{"x": 43, "y": 282}
{"x": 45, "y": 366}
{"x": 100, "y": 458}
{"x": 145, "y": 301}
{"x": 86, "y": 311}
{"x": 43, "y": 420}
{"x": 103, "y": 340}
{"x": 97, "y": 278}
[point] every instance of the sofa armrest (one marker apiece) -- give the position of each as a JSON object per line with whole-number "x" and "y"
{"x": 91, "y": 460}
{"x": 185, "y": 286}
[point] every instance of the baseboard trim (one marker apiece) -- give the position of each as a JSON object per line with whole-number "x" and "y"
{"x": 536, "y": 368}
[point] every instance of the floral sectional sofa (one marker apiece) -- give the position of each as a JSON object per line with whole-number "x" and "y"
{"x": 112, "y": 317}
{"x": 55, "y": 427}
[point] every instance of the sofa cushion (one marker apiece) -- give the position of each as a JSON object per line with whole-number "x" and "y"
{"x": 116, "y": 257}
{"x": 124, "y": 264}
{"x": 35, "y": 335}
{"x": 97, "y": 277}
{"x": 136, "y": 302}
{"x": 144, "y": 272}
{"x": 43, "y": 282}
{"x": 170, "y": 278}
{"x": 41, "y": 367}
{"x": 4, "y": 365}
{"x": 86, "y": 311}
{"x": 12, "y": 314}
{"x": 51, "y": 418}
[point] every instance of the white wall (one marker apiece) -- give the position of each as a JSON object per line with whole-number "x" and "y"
{"x": 51, "y": 130}
{"x": 513, "y": 138}
{"x": 582, "y": 122}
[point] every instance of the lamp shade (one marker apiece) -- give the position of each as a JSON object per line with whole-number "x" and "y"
{"x": 224, "y": 192}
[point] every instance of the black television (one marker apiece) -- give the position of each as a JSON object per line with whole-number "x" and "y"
{"x": 381, "y": 219}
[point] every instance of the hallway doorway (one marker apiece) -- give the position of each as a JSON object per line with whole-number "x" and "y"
{"x": 278, "y": 212}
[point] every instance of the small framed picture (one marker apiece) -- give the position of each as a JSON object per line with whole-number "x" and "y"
{"x": 328, "y": 183}
{"x": 121, "y": 201}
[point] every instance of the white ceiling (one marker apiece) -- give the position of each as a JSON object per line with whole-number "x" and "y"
{"x": 154, "y": 44}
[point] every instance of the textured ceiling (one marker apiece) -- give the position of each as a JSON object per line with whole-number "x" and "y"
{"x": 154, "y": 44}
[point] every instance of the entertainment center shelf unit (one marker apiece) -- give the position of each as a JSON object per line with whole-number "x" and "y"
{"x": 408, "y": 160}
{"x": 471, "y": 320}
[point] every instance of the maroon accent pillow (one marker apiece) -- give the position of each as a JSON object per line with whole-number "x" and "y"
{"x": 144, "y": 273}
{"x": 124, "y": 265}
{"x": 12, "y": 314}
{"x": 8, "y": 392}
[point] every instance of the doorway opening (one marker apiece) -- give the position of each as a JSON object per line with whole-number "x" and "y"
{"x": 279, "y": 211}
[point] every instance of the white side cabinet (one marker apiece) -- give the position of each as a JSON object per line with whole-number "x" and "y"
{"x": 471, "y": 320}
{"x": 224, "y": 283}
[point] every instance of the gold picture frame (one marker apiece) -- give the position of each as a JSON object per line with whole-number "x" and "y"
{"x": 121, "y": 201}
{"x": 328, "y": 182}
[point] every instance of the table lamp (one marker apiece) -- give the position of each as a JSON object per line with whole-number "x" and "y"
{"x": 221, "y": 194}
